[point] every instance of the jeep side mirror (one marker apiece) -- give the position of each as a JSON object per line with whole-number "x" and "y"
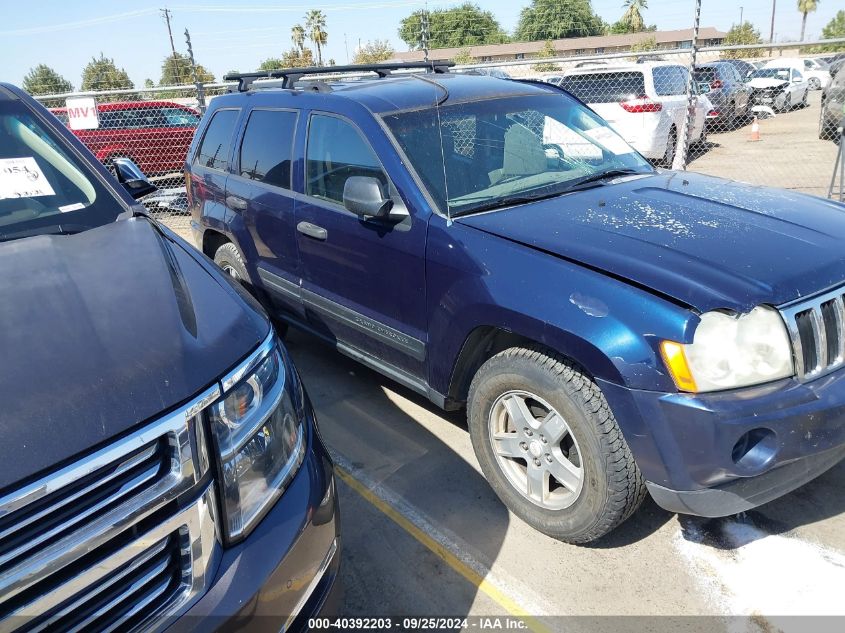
{"x": 132, "y": 178}
{"x": 362, "y": 195}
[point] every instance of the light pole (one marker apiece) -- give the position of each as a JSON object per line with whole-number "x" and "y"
{"x": 740, "y": 17}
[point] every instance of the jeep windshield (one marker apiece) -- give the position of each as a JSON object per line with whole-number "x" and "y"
{"x": 44, "y": 188}
{"x": 481, "y": 155}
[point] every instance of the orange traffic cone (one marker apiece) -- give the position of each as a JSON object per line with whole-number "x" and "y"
{"x": 755, "y": 130}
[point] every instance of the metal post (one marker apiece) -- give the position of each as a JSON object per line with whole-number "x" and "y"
{"x": 681, "y": 152}
{"x": 839, "y": 166}
{"x": 424, "y": 33}
{"x": 197, "y": 82}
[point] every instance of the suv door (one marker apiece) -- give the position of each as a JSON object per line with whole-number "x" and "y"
{"x": 363, "y": 280}
{"x": 261, "y": 202}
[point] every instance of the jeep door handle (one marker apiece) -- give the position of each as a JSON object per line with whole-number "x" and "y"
{"x": 312, "y": 230}
{"x": 235, "y": 203}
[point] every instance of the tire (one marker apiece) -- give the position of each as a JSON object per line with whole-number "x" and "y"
{"x": 827, "y": 130}
{"x": 815, "y": 84}
{"x": 787, "y": 103}
{"x": 804, "y": 102}
{"x": 229, "y": 258}
{"x": 671, "y": 146}
{"x": 604, "y": 486}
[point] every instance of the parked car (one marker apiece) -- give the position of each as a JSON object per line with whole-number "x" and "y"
{"x": 832, "y": 109}
{"x": 610, "y": 329}
{"x": 816, "y": 74}
{"x": 646, "y": 103}
{"x": 781, "y": 88}
{"x": 728, "y": 93}
{"x": 160, "y": 464}
{"x": 153, "y": 134}
{"x": 742, "y": 67}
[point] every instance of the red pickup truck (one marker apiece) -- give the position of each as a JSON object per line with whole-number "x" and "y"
{"x": 154, "y": 134}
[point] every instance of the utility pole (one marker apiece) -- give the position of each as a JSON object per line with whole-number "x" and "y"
{"x": 679, "y": 161}
{"x": 772, "y": 29}
{"x": 424, "y": 33}
{"x": 166, "y": 14}
{"x": 197, "y": 82}
{"x": 740, "y": 17}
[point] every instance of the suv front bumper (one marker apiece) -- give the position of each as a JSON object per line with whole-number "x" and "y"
{"x": 722, "y": 453}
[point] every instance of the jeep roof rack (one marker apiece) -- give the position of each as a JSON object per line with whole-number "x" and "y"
{"x": 290, "y": 76}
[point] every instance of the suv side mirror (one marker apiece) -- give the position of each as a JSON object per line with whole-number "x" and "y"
{"x": 132, "y": 178}
{"x": 362, "y": 195}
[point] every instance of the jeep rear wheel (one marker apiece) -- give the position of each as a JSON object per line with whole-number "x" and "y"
{"x": 550, "y": 447}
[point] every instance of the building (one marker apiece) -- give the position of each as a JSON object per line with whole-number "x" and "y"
{"x": 595, "y": 45}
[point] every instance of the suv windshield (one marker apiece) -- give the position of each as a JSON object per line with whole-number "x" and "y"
{"x": 43, "y": 187}
{"x": 505, "y": 151}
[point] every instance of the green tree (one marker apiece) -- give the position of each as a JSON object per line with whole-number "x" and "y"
{"x": 176, "y": 70}
{"x": 373, "y": 52}
{"x": 149, "y": 83}
{"x": 633, "y": 16}
{"x": 271, "y": 63}
{"x": 805, "y": 7}
{"x": 315, "y": 25}
{"x": 458, "y": 27}
{"x": 834, "y": 29}
{"x": 620, "y": 27}
{"x": 546, "y": 52}
{"x": 744, "y": 33}
{"x": 464, "y": 57}
{"x": 43, "y": 80}
{"x": 297, "y": 36}
{"x": 644, "y": 44}
{"x": 102, "y": 74}
{"x": 557, "y": 19}
{"x": 294, "y": 58}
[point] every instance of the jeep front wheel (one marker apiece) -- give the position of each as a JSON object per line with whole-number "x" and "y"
{"x": 550, "y": 447}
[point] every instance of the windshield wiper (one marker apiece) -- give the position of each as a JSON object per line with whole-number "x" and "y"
{"x": 53, "y": 229}
{"x": 587, "y": 182}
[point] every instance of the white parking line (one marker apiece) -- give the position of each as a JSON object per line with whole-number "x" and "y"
{"x": 746, "y": 571}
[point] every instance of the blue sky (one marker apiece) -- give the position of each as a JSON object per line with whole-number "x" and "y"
{"x": 65, "y": 35}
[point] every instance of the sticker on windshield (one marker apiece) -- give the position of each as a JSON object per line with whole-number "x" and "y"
{"x": 610, "y": 140}
{"x": 22, "y": 178}
{"x": 76, "y": 206}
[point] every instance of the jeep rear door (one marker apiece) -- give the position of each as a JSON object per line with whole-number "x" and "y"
{"x": 363, "y": 280}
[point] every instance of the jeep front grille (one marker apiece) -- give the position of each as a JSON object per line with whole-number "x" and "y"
{"x": 817, "y": 330}
{"x": 103, "y": 541}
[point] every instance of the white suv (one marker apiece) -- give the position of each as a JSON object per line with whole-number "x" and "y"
{"x": 646, "y": 103}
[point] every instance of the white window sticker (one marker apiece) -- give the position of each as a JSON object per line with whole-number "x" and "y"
{"x": 22, "y": 178}
{"x": 610, "y": 140}
{"x": 82, "y": 113}
{"x": 72, "y": 207}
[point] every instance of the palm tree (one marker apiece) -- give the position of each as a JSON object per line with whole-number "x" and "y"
{"x": 315, "y": 24}
{"x": 297, "y": 36}
{"x": 633, "y": 16}
{"x": 805, "y": 7}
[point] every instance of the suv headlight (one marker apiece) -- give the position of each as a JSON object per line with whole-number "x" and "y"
{"x": 730, "y": 351}
{"x": 259, "y": 436}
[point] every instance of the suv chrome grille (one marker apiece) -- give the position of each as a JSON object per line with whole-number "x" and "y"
{"x": 96, "y": 540}
{"x": 817, "y": 330}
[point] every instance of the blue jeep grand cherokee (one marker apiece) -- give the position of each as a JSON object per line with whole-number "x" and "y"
{"x": 159, "y": 463}
{"x": 493, "y": 244}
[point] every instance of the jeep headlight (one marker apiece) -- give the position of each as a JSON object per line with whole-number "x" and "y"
{"x": 730, "y": 351}
{"x": 259, "y": 437}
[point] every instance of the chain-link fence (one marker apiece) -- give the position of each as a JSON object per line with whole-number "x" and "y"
{"x": 764, "y": 116}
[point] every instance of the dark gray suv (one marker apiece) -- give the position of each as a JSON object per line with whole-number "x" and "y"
{"x": 728, "y": 93}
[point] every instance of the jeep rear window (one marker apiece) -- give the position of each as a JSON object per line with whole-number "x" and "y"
{"x": 214, "y": 149}
{"x": 481, "y": 154}
{"x": 268, "y": 146}
{"x": 609, "y": 87}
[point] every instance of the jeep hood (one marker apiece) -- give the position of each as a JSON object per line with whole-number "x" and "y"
{"x": 103, "y": 331}
{"x": 702, "y": 241}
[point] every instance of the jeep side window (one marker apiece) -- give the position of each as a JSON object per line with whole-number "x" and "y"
{"x": 336, "y": 151}
{"x": 267, "y": 147}
{"x": 214, "y": 149}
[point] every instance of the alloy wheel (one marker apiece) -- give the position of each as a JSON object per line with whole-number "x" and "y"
{"x": 536, "y": 450}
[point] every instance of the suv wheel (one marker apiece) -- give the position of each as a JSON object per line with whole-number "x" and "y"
{"x": 229, "y": 258}
{"x": 550, "y": 447}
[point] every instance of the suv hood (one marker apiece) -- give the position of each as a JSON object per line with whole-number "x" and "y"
{"x": 103, "y": 331}
{"x": 765, "y": 82}
{"x": 702, "y": 241}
